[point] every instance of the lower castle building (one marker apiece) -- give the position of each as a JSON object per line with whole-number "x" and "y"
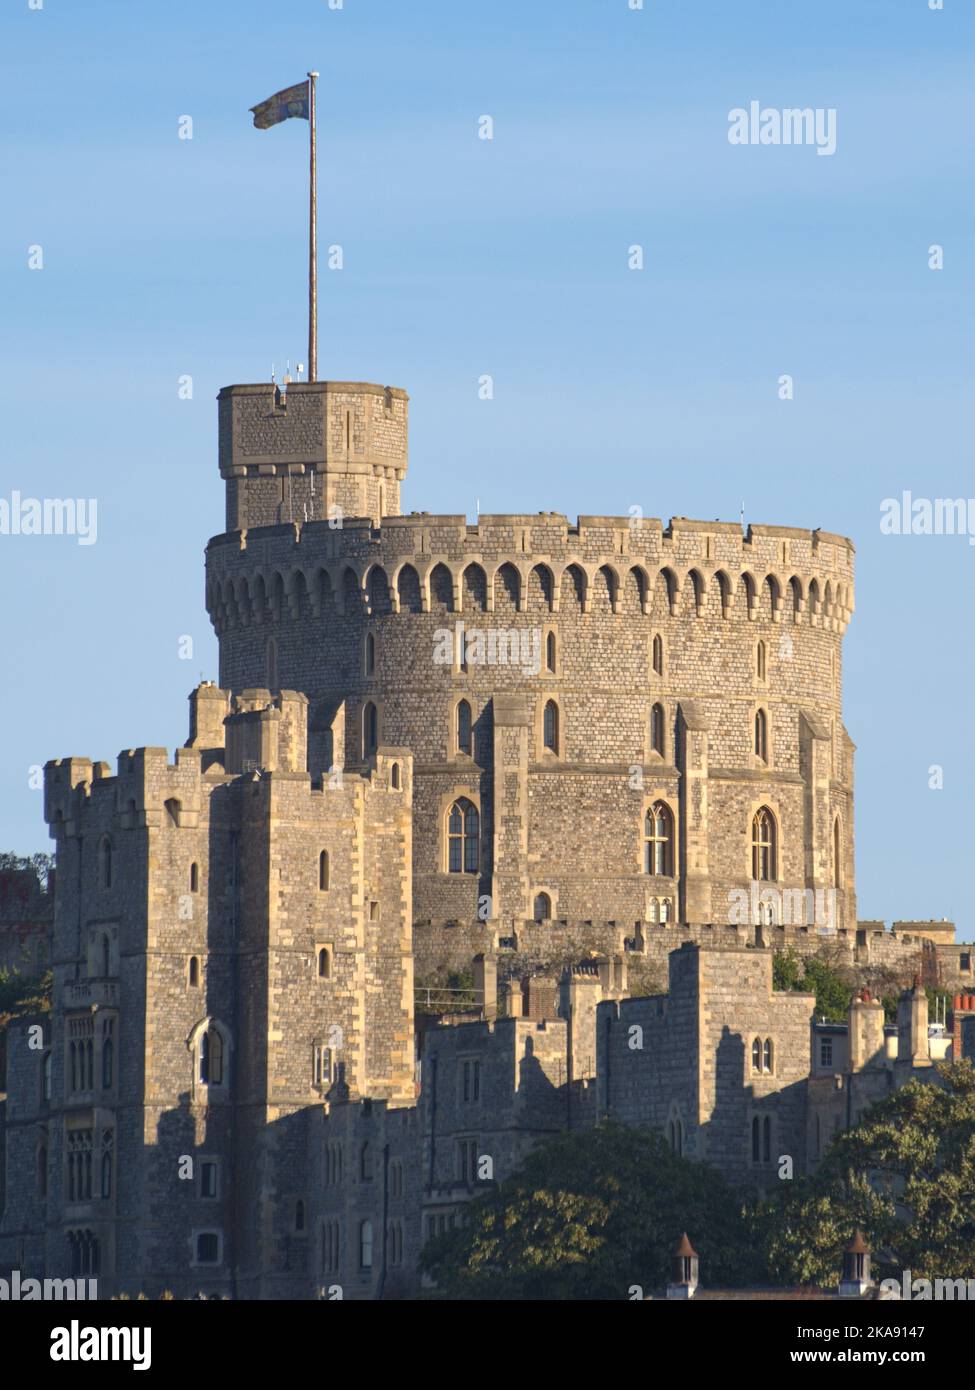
{"x": 593, "y": 774}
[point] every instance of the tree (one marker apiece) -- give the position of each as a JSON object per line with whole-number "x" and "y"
{"x": 905, "y": 1175}
{"x": 589, "y": 1215}
{"x": 819, "y": 975}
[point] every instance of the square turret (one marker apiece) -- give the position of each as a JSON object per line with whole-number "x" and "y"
{"x": 312, "y": 451}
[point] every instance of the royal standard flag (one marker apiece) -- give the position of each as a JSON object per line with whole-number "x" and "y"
{"x": 293, "y": 101}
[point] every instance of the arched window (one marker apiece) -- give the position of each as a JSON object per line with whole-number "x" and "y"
{"x": 761, "y": 735}
{"x": 194, "y": 878}
{"x": 105, "y": 862}
{"x": 463, "y": 727}
{"x": 767, "y": 1140}
{"x": 463, "y": 833}
{"x": 658, "y": 654}
{"x": 370, "y": 729}
{"x": 665, "y": 909}
{"x": 654, "y": 909}
{"x": 657, "y": 729}
{"x": 323, "y": 871}
{"x": 324, "y": 963}
{"x": 760, "y": 661}
{"x": 211, "y": 1057}
{"x": 173, "y": 809}
{"x": 365, "y": 1245}
{"x": 108, "y": 1054}
{"x": 543, "y": 907}
{"x": 757, "y": 1055}
{"x": 194, "y": 972}
{"x": 659, "y": 839}
{"x": 550, "y": 727}
{"x": 763, "y": 846}
{"x": 108, "y": 1144}
{"x": 365, "y": 1162}
{"x": 394, "y": 777}
{"x": 768, "y": 1055}
{"x": 370, "y": 654}
{"x": 837, "y": 856}
{"x": 550, "y": 652}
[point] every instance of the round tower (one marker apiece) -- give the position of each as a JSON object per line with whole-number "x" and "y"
{"x": 613, "y": 721}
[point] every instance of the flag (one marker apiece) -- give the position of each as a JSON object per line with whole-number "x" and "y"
{"x": 293, "y": 101}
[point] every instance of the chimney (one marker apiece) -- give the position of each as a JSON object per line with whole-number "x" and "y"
{"x": 855, "y": 1281}
{"x": 865, "y": 1031}
{"x": 486, "y": 983}
{"x": 912, "y": 1027}
{"x": 685, "y": 1270}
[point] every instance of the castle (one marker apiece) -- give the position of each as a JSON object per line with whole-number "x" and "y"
{"x": 596, "y": 771}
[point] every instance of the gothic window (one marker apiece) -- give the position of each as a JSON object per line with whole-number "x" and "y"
{"x": 394, "y": 777}
{"x": 463, "y": 829}
{"x": 323, "y": 871}
{"x": 84, "y": 1254}
{"x": 370, "y": 654}
{"x": 542, "y": 910}
{"x": 763, "y": 846}
{"x": 194, "y": 972}
{"x": 757, "y": 1055}
{"x": 365, "y": 1162}
{"x": 81, "y": 1054}
{"x": 768, "y": 1055}
{"x": 80, "y": 1159}
{"x": 657, "y": 729}
{"x": 211, "y": 1057}
{"x": 370, "y": 729}
{"x": 463, "y": 727}
{"x": 760, "y": 661}
{"x": 365, "y": 1245}
{"x": 550, "y": 727}
{"x": 324, "y": 963}
{"x": 108, "y": 1053}
{"x": 666, "y": 907}
{"x": 108, "y": 1156}
{"x": 194, "y": 878}
{"x": 658, "y": 654}
{"x": 321, "y": 1077}
{"x": 550, "y": 652}
{"x": 761, "y": 735}
{"x": 654, "y": 909}
{"x": 470, "y": 1080}
{"x": 659, "y": 840}
{"x": 105, "y": 862}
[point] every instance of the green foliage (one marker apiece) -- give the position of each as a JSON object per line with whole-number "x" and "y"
{"x": 905, "y": 1176}
{"x": 23, "y": 994}
{"x": 589, "y": 1215}
{"x": 817, "y": 975}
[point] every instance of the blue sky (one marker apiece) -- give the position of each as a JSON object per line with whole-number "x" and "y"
{"x": 613, "y": 388}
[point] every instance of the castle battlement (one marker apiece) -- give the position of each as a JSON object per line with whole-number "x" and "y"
{"x": 519, "y": 564}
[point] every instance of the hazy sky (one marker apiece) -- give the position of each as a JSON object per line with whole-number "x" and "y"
{"x": 165, "y": 257}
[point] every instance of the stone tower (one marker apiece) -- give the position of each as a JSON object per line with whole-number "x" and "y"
{"x": 323, "y": 449}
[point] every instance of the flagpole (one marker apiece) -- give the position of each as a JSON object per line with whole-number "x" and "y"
{"x": 312, "y": 240}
